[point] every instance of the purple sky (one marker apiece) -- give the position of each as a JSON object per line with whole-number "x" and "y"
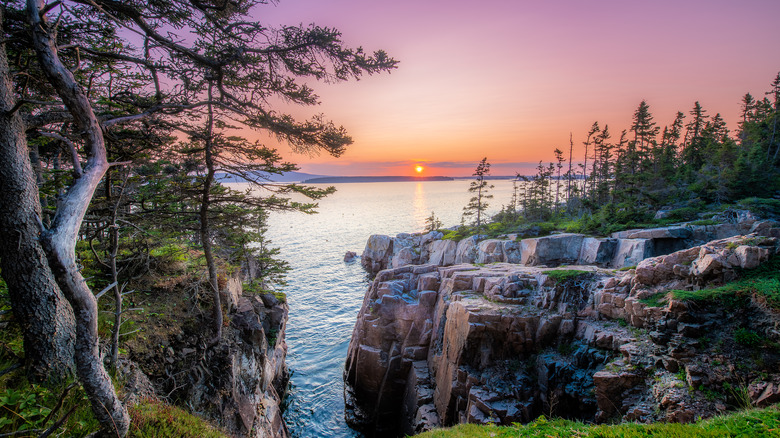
{"x": 510, "y": 79}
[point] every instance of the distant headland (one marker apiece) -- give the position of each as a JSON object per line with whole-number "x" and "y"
{"x": 364, "y": 179}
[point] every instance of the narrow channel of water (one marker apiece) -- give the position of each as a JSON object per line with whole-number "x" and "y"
{"x": 325, "y": 294}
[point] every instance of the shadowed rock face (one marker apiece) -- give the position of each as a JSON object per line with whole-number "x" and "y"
{"x": 439, "y": 345}
{"x": 238, "y": 383}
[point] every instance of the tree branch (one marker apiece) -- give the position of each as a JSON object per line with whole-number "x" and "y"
{"x": 74, "y": 155}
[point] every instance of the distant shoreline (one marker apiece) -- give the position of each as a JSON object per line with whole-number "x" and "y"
{"x": 364, "y": 179}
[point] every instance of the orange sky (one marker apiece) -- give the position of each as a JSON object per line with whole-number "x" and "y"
{"x": 510, "y": 79}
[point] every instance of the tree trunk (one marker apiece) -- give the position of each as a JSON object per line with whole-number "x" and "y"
{"x": 38, "y": 305}
{"x": 205, "y": 229}
{"x": 59, "y": 242}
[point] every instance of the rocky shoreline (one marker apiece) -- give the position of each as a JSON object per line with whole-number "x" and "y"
{"x": 489, "y": 332}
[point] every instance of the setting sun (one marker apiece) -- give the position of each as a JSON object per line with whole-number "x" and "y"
{"x": 418, "y": 169}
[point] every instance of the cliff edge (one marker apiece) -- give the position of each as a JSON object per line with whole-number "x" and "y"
{"x": 487, "y": 332}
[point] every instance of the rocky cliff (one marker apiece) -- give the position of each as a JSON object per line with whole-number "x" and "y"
{"x": 441, "y": 340}
{"x": 237, "y": 383}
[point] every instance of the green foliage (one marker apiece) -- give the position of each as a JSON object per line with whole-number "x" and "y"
{"x": 453, "y": 234}
{"x": 432, "y": 223}
{"x": 28, "y": 407}
{"x": 656, "y": 300}
{"x": 683, "y": 214}
{"x": 154, "y": 419}
{"x": 281, "y": 296}
{"x": 747, "y": 338}
{"x": 740, "y": 394}
{"x": 693, "y": 164}
{"x": 478, "y": 203}
{"x": 763, "y": 207}
{"x": 749, "y": 423}
{"x": 564, "y": 275}
{"x": 762, "y": 283}
{"x": 258, "y": 287}
{"x": 170, "y": 253}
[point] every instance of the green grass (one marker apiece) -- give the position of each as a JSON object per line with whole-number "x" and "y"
{"x": 762, "y": 282}
{"x": 154, "y": 419}
{"x": 750, "y": 423}
{"x": 656, "y": 300}
{"x": 562, "y": 275}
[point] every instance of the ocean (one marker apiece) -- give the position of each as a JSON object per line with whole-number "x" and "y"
{"x": 324, "y": 293}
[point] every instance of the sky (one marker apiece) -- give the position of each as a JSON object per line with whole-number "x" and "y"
{"x": 511, "y": 79}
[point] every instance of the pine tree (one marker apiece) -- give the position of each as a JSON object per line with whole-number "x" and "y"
{"x": 692, "y": 152}
{"x": 480, "y": 187}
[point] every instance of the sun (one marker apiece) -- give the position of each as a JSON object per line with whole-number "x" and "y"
{"x": 418, "y": 169}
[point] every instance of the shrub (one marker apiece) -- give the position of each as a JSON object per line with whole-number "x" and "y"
{"x": 764, "y": 207}
{"x": 683, "y": 214}
{"x": 747, "y": 338}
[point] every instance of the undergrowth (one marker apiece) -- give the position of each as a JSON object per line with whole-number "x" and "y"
{"x": 656, "y": 300}
{"x": 28, "y": 410}
{"x": 154, "y": 419}
{"x": 750, "y": 423}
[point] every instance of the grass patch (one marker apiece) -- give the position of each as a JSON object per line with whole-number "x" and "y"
{"x": 762, "y": 282}
{"x": 562, "y": 275}
{"x": 656, "y": 300}
{"x": 154, "y": 419}
{"x": 750, "y": 423}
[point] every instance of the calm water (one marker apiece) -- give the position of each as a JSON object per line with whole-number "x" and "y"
{"x": 325, "y": 294}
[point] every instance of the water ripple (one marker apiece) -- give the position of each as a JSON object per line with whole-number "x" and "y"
{"x": 325, "y": 294}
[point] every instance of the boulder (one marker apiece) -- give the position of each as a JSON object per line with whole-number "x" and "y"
{"x": 377, "y": 254}
{"x": 425, "y": 242}
{"x": 708, "y": 265}
{"x": 404, "y": 256}
{"x": 551, "y": 250}
{"x": 596, "y": 251}
{"x": 466, "y": 251}
{"x": 512, "y": 253}
{"x": 749, "y": 257}
{"x": 350, "y": 256}
{"x": 442, "y": 252}
{"x": 490, "y": 251}
{"x": 630, "y": 252}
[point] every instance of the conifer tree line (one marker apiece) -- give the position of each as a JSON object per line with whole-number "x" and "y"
{"x": 624, "y": 178}
{"x": 116, "y": 121}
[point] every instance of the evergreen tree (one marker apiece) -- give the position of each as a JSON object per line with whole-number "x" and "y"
{"x": 480, "y": 188}
{"x": 692, "y": 152}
